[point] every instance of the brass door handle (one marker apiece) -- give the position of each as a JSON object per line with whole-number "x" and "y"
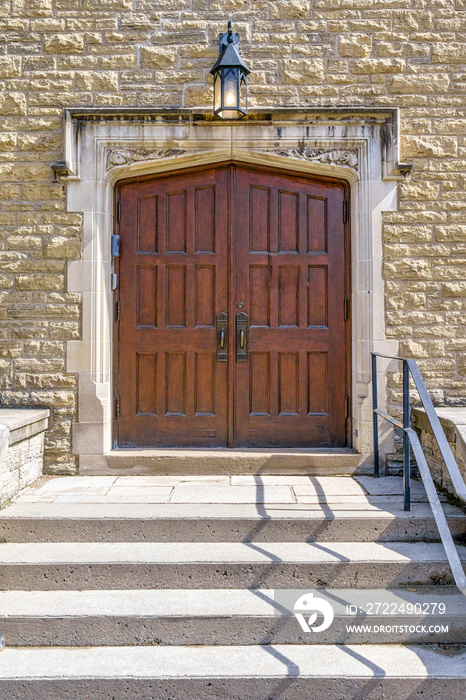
{"x": 222, "y": 337}
{"x": 241, "y": 337}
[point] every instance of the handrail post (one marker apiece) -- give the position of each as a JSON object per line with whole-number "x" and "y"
{"x": 375, "y": 421}
{"x": 406, "y": 445}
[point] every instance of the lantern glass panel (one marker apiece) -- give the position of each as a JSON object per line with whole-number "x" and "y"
{"x": 217, "y": 93}
{"x": 230, "y": 94}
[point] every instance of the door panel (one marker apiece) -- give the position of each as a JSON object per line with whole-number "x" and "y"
{"x": 279, "y": 380}
{"x": 173, "y": 282}
{"x": 290, "y": 274}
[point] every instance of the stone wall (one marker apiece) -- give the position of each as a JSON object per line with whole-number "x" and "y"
{"x": 21, "y": 449}
{"x": 453, "y": 422}
{"x": 59, "y": 53}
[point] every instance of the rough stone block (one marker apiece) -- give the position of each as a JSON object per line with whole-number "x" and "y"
{"x": 137, "y": 20}
{"x": 354, "y": 45}
{"x": 400, "y": 233}
{"x": 430, "y": 348}
{"x": 24, "y": 242}
{"x": 63, "y": 247}
{"x": 12, "y": 103}
{"x": 436, "y": 146}
{"x": 158, "y": 56}
{"x": 10, "y": 67}
{"x": 454, "y": 289}
{"x": 94, "y": 80}
{"x": 64, "y": 43}
{"x": 386, "y": 49}
{"x": 449, "y": 53}
{"x": 408, "y": 269}
{"x": 64, "y": 330}
{"x": 379, "y": 65}
{"x": 420, "y": 190}
{"x": 427, "y": 84}
{"x": 39, "y": 282}
{"x": 289, "y": 9}
{"x": 32, "y": 8}
{"x": 450, "y": 233}
{"x": 414, "y": 20}
{"x": 108, "y": 5}
{"x": 303, "y": 71}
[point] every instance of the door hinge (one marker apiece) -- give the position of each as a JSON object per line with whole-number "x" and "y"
{"x": 346, "y": 309}
{"x": 118, "y": 212}
{"x": 115, "y": 246}
{"x": 117, "y": 406}
{"x": 117, "y": 310}
{"x": 346, "y": 407}
{"x": 345, "y": 211}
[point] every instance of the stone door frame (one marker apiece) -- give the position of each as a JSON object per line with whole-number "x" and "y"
{"x": 104, "y": 146}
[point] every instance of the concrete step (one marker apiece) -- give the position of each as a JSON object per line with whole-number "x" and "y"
{"x": 313, "y": 461}
{"x": 225, "y": 617}
{"x": 118, "y": 565}
{"x": 288, "y": 672}
{"x": 365, "y": 520}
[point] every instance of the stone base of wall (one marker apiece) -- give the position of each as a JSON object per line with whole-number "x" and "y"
{"x": 453, "y": 421}
{"x": 21, "y": 449}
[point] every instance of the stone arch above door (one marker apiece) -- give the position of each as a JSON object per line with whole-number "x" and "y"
{"x": 105, "y": 146}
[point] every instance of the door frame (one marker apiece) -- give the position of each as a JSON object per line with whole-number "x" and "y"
{"x": 232, "y": 310}
{"x": 105, "y": 145}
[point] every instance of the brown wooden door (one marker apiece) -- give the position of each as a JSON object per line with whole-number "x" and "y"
{"x": 270, "y": 247}
{"x": 173, "y": 282}
{"x": 290, "y": 275}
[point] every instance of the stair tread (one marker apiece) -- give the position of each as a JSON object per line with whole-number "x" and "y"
{"x": 259, "y": 661}
{"x": 382, "y": 508}
{"x": 221, "y": 552}
{"x": 204, "y": 602}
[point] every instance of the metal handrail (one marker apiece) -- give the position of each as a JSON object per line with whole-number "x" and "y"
{"x": 410, "y": 438}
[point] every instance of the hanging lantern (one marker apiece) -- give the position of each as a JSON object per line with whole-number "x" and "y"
{"x": 230, "y": 79}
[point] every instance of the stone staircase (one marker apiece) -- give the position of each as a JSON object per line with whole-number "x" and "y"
{"x": 166, "y": 587}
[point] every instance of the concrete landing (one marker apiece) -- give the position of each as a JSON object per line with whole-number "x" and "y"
{"x": 220, "y": 489}
{"x": 241, "y": 508}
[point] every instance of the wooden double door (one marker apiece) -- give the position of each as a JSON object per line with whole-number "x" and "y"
{"x": 231, "y": 311}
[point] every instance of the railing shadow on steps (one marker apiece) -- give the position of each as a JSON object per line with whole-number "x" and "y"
{"x": 411, "y": 439}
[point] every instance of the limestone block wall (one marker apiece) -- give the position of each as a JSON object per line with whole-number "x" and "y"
{"x": 453, "y": 422}
{"x": 60, "y": 53}
{"x": 21, "y": 449}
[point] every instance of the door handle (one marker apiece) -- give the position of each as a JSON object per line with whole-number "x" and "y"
{"x": 221, "y": 327}
{"x": 241, "y": 337}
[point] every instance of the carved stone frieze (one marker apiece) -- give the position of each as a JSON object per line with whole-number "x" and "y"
{"x": 331, "y": 156}
{"x": 123, "y": 156}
